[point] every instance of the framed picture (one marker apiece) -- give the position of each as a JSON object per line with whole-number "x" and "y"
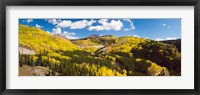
{"x": 100, "y": 47}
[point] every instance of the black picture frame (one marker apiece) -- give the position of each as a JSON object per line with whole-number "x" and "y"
{"x": 4, "y": 3}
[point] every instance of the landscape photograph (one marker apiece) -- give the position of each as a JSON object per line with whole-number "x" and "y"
{"x": 99, "y": 46}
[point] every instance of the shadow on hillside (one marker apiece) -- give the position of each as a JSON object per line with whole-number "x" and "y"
{"x": 80, "y": 57}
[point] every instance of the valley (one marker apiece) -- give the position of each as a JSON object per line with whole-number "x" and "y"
{"x": 106, "y": 55}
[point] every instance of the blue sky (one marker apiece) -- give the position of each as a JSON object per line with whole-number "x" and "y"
{"x": 155, "y": 29}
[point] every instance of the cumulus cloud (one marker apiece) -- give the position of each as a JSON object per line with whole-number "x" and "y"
{"x": 131, "y": 25}
{"x": 53, "y": 21}
{"x": 79, "y": 24}
{"x": 70, "y": 35}
{"x": 105, "y": 25}
{"x": 97, "y": 28}
{"x": 64, "y": 24}
{"x": 38, "y": 26}
{"x": 90, "y": 22}
{"x": 29, "y": 20}
{"x": 75, "y": 25}
{"x": 57, "y": 31}
{"x": 82, "y": 24}
{"x": 103, "y": 21}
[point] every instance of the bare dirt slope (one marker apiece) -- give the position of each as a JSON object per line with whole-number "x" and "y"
{"x": 34, "y": 71}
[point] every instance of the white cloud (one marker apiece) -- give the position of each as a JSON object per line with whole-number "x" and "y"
{"x": 126, "y": 29}
{"x": 48, "y": 32}
{"x": 64, "y": 24}
{"x": 38, "y": 26}
{"x": 105, "y": 25}
{"x": 136, "y": 36}
{"x": 73, "y": 25}
{"x": 164, "y": 24}
{"x": 89, "y": 23}
{"x": 53, "y": 21}
{"x": 57, "y": 31}
{"x": 168, "y": 38}
{"x": 69, "y": 35}
{"x": 131, "y": 25}
{"x": 79, "y": 24}
{"x": 97, "y": 28}
{"x": 167, "y": 26}
{"x": 159, "y": 39}
{"x": 28, "y": 20}
{"x": 171, "y": 38}
{"x": 103, "y": 21}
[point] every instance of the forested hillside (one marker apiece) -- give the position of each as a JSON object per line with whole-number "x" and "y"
{"x": 97, "y": 56}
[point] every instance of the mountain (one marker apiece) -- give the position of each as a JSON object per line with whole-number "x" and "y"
{"x": 96, "y": 55}
{"x": 37, "y": 40}
{"x": 166, "y": 55}
{"x": 130, "y": 48}
{"x": 163, "y": 54}
{"x": 177, "y": 43}
{"x": 60, "y": 55}
{"x": 94, "y": 42}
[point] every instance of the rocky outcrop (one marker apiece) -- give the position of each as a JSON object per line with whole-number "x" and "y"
{"x": 26, "y": 70}
{"x": 26, "y": 51}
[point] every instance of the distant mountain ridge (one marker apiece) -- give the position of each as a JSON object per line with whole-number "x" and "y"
{"x": 176, "y": 42}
